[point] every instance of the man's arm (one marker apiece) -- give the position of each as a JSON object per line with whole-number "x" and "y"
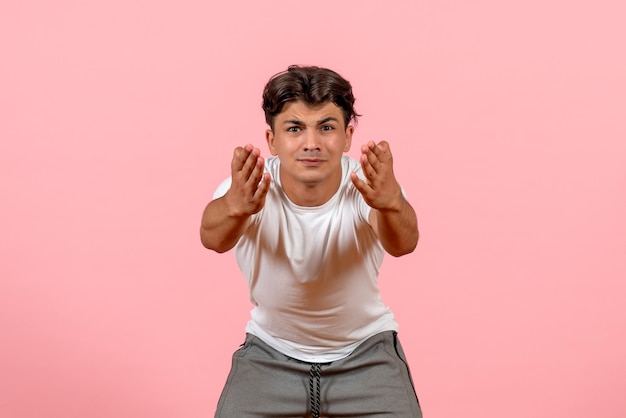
{"x": 392, "y": 217}
{"x": 224, "y": 219}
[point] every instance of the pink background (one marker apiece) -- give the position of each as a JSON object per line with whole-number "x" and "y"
{"x": 118, "y": 120}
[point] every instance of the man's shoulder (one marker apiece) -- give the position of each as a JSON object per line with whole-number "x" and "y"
{"x": 271, "y": 165}
{"x": 351, "y": 165}
{"x": 350, "y": 160}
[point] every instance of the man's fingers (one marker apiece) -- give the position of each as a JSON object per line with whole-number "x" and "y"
{"x": 375, "y": 156}
{"x": 256, "y": 173}
{"x": 360, "y": 185}
{"x": 263, "y": 187}
{"x": 238, "y": 159}
{"x": 245, "y": 160}
{"x": 240, "y": 155}
{"x": 385, "y": 150}
{"x": 368, "y": 169}
{"x": 250, "y": 164}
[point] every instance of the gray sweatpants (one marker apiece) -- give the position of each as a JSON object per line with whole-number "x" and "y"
{"x": 374, "y": 381}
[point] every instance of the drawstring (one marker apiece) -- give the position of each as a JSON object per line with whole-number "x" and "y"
{"x": 314, "y": 389}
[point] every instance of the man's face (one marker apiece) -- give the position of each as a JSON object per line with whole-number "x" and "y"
{"x": 310, "y": 142}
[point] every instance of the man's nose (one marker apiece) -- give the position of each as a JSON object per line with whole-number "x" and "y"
{"x": 311, "y": 140}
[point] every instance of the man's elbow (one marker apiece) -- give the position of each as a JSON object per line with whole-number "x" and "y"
{"x": 407, "y": 248}
{"x": 210, "y": 244}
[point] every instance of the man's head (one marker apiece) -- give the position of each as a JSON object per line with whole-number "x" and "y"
{"x": 314, "y": 86}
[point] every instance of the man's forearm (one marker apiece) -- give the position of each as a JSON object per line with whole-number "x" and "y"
{"x": 219, "y": 231}
{"x": 397, "y": 229}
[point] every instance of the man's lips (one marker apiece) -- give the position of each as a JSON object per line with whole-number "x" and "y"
{"x": 311, "y": 161}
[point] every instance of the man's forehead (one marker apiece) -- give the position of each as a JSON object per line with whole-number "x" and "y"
{"x": 300, "y": 110}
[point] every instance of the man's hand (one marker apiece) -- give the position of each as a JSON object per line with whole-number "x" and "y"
{"x": 381, "y": 191}
{"x": 392, "y": 217}
{"x": 224, "y": 219}
{"x": 250, "y": 184}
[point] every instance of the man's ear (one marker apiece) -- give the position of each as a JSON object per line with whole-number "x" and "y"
{"x": 349, "y": 132}
{"x": 269, "y": 137}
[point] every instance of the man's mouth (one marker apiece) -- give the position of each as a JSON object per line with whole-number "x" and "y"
{"x": 311, "y": 161}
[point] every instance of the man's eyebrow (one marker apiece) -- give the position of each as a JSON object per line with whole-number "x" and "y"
{"x": 320, "y": 122}
{"x": 293, "y": 122}
{"x": 328, "y": 119}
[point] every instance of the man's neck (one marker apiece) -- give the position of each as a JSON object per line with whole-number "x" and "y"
{"x": 313, "y": 194}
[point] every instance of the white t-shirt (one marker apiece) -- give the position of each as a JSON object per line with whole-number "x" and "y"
{"x": 312, "y": 271}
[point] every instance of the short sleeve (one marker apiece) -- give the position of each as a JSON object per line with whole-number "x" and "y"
{"x": 222, "y": 188}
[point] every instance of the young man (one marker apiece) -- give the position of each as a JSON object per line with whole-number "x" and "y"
{"x": 310, "y": 227}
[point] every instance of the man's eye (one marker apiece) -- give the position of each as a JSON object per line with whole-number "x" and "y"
{"x": 327, "y": 128}
{"x": 293, "y": 129}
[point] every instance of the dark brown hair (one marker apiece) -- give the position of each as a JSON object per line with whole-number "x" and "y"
{"x": 313, "y": 85}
